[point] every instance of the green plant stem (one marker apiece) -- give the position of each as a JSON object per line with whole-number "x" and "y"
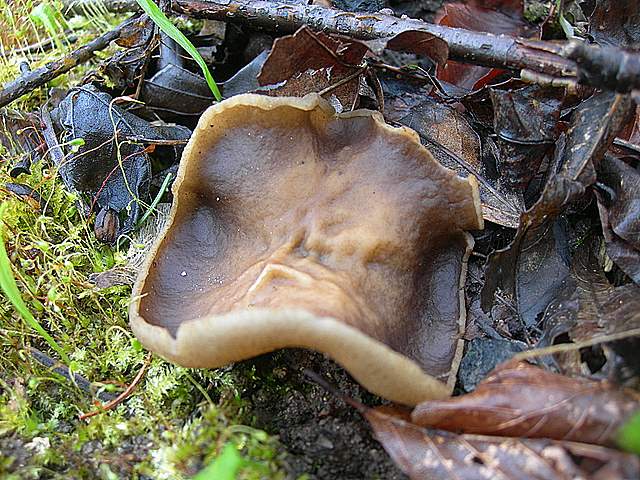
{"x": 10, "y": 289}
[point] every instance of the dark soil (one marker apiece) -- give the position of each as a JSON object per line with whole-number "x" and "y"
{"x": 324, "y": 437}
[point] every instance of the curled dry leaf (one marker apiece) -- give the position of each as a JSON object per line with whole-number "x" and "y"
{"x": 309, "y": 61}
{"x": 426, "y": 454}
{"x": 450, "y": 137}
{"x": 293, "y": 226}
{"x": 520, "y": 400}
{"x": 619, "y": 207}
{"x": 21, "y": 135}
{"x": 594, "y": 125}
{"x": 498, "y": 17}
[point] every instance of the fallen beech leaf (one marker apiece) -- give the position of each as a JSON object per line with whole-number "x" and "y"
{"x": 498, "y": 17}
{"x": 426, "y": 454}
{"x": 594, "y": 125}
{"x": 520, "y": 400}
{"x": 619, "y": 209}
{"x": 309, "y": 61}
{"x": 456, "y": 145}
{"x": 587, "y": 307}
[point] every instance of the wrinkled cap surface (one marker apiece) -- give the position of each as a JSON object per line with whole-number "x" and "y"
{"x": 296, "y": 227}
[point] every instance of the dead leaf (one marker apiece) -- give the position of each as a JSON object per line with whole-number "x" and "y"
{"x": 526, "y": 123}
{"x": 520, "y": 400}
{"x": 20, "y": 134}
{"x": 310, "y": 61}
{"x": 587, "y": 306}
{"x": 616, "y": 23}
{"x": 594, "y": 125}
{"x": 456, "y": 145}
{"x": 498, "y": 17}
{"x": 426, "y": 454}
{"x": 111, "y": 165}
{"x": 414, "y": 41}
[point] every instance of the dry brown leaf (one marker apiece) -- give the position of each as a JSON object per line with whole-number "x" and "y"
{"x": 426, "y": 454}
{"x": 520, "y": 400}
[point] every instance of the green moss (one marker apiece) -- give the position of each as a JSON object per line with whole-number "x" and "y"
{"x": 176, "y": 421}
{"x": 536, "y": 11}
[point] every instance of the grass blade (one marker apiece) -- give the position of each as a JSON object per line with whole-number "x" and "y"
{"x": 225, "y": 467}
{"x": 10, "y": 288}
{"x": 172, "y": 31}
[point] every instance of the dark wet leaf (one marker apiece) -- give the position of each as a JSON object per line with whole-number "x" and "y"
{"x": 498, "y": 17}
{"x": 526, "y": 123}
{"x": 594, "y": 125}
{"x": 456, "y": 145}
{"x": 111, "y": 164}
{"x": 542, "y": 267}
{"x": 246, "y": 79}
{"x": 426, "y": 454}
{"x": 125, "y": 67}
{"x": 310, "y": 61}
{"x": 616, "y": 22}
{"x": 587, "y": 307}
{"x": 20, "y": 134}
{"x": 518, "y": 399}
{"x": 619, "y": 208}
{"x": 173, "y": 89}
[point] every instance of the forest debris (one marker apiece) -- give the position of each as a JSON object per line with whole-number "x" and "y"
{"x": 307, "y": 62}
{"x": 526, "y": 123}
{"x": 496, "y": 17}
{"x": 426, "y": 454}
{"x": 335, "y": 199}
{"x": 483, "y": 355}
{"x": 594, "y": 125}
{"x": 520, "y": 400}
{"x": 40, "y": 76}
{"x": 588, "y": 307}
{"x": 111, "y": 165}
{"x": 456, "y": 145}
{"x": 20, "y": 134}
{"x": 25, "y": 193}
{"x": 616, "y": 23}
{"x": 619, "y": 207}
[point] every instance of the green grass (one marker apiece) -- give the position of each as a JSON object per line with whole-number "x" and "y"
{"x": 154, "y": 12}
{"x": 176, "y": 422}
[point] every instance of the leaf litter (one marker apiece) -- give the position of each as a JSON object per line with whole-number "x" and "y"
{"x": 557, "y": 264}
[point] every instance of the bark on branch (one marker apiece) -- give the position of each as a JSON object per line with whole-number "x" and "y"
{"x": 553, "y": 59}
{"x": 36, "y": 78}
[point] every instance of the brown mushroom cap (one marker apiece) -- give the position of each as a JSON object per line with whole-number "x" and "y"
{"x": 296, "y": 227}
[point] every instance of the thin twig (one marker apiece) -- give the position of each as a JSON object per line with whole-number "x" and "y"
{"x": 128, "y": 391}
{"x": 608, "y": 68}
{"x": 570, "y": 347}
{"x": 39, "y": 77}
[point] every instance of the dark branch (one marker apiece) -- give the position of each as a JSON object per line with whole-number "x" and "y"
{"x": 36, "y": 78}
{"x": 551, "y": 59}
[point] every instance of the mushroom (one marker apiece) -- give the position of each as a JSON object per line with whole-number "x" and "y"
{"x": 293, "y": 226}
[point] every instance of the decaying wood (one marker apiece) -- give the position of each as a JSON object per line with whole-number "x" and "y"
{"x": 36, "y": 78}
{"x": 549, "y": 58}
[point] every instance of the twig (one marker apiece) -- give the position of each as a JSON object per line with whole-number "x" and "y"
{"x": 63, "y": 370}
{"x": 128, "y": 391}
{"x": 563, "y": 60}
{"x": 569, "y": 347}
{"x": 36, "y": 78}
